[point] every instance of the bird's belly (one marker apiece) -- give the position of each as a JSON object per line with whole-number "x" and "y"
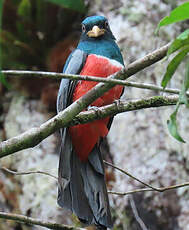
{"x": 85, "y": 136}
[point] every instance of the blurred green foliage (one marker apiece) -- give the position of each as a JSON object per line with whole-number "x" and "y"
{"x": 31, "y": 28}
{"x": 77, "y": 5}
{"x": 173, "y": 65}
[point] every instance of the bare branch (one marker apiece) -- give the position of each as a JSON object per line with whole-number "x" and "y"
{"x": 136, "y": 215}
{"x": 150, "y": 187}
{"x": 51, "y": 75}
{"x": 27, "y": 173}
{"x": 152, "y": 87}
{"x": 162, "y": 189}
{"x": 32, "y": 221}
{"x": 133, "y": 68}
{"x": 130, "y": 175}
{"x": 132, "y": 192}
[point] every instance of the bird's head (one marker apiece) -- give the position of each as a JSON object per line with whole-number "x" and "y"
{"x": 96, "y": 27}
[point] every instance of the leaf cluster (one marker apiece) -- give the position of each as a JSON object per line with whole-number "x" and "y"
{"x": 181, "y": 46}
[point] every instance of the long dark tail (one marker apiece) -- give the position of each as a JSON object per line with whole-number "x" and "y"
{"x": 82, "y": 187}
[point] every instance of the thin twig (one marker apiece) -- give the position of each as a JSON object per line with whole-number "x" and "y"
{"x": 162, "y": 189}
{"x": 27, "y": 173}
{"x": 32, "y": 221}
{"x": 136, "y": 215}
{"x": 150, "y": 188}
{"x": 130, "y": 175}
{"x": 152, "y": 87}
{"x": 40, "y": 74}
{"x": 132, "y": 192}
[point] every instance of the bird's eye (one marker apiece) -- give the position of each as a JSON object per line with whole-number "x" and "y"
{"x": 83, "y": 28}
{"x": 106, "y": 24}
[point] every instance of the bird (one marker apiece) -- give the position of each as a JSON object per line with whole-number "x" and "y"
{"x": 81, "y": 180}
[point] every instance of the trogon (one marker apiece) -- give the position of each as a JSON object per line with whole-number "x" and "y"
{"x": 81, "y": 180}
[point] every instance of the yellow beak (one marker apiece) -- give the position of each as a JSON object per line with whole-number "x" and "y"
{"x": 95, "y": 32}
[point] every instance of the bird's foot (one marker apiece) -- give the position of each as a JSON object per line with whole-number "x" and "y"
{"x": 117, "y": 103}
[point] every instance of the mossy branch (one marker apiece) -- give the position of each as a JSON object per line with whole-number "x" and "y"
{"x": 33, "y": 136}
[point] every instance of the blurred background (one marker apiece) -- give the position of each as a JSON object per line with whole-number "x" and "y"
{"x": 39, "y": 35}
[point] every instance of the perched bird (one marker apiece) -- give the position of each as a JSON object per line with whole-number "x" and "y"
{"x": 82, "y": 187}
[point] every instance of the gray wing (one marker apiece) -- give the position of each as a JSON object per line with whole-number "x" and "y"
{"x": 73, "y": 65}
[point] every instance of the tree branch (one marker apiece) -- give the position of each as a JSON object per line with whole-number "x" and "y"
{"x": 51, "y": 75}
{"x": 27, "y": 173}
{"x": 130, "y": 175}
{"x": 162, "y": 189}
{"x": 130, "y": 70}
{"x": 32, "y": 221}
{"x": 136, "y": 214}
{"x": 133, "y": 68}
{"x": 150, "y": 187}
{"x": 33, "y": 136}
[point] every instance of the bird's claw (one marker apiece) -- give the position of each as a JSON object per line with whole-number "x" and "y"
{"x": 117, "y": 102}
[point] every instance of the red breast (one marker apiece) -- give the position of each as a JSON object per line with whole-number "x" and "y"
{"x": 85, "y": 136}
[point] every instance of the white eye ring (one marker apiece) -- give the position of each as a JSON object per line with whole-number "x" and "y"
{"x": 83, "y": 28}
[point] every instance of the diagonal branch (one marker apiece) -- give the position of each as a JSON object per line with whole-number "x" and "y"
{"x": 33, "y": 136}
{"x": 149, "y": 187}
{"x": 32, "y": 221}
{"x": 130, "y": 175}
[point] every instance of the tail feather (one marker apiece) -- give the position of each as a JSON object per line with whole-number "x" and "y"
{"x": 95, "y": 188}
{"x": 82, "y": 187}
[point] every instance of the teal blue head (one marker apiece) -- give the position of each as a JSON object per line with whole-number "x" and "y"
{"x": 97, "y": 38}
{"x": 95, "y": 28}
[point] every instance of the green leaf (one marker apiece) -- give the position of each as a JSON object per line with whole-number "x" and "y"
{"x": 186, "y": 80}
{"x": 172, "y": 126}
{"x": 185, "y": 86}
{"x": 172, "y": 123}
{"x": 24, "y": 9}
{"x": 178, "y": 14}
{"x": 179, "y": 42}
{"x": 173, "y": 65}
{"x": 77, "y": 5}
